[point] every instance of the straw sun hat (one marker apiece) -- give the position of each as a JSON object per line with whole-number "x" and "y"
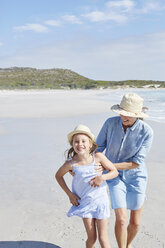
{"x": 83, "y": 130}
{"x": 131, "y": 105}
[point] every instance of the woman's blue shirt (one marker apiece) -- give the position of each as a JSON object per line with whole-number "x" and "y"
{"x": 132, "y": 145}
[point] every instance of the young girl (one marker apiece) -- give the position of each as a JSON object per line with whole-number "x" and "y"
{"x": 89, "y": 193}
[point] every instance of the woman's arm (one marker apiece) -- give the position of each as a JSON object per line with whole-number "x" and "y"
{"x": 102, "y": 138}
{"x": 120, "y": 166}
{"x": 107, "y": 165}
{"x": 126, "y": 165}
{"x": 66, "y": 167}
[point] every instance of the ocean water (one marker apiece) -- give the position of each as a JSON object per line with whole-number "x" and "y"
{"x": 154, "y": 100}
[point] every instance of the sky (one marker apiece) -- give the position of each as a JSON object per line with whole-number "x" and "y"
{"x": 99, "y": 39}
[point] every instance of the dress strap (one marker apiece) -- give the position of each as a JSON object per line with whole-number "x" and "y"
{"x": 93, "y": 162}
{"x": 71, "y": 160}
{"x": 93, "y": 155}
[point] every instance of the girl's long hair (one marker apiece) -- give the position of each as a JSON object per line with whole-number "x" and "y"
{"x": 71, "y": 153}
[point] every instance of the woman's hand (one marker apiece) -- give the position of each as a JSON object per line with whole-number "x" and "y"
{"x": 74, "y": 199}
{"x": 96, "y": 181}
{"x": 99, "y": 169}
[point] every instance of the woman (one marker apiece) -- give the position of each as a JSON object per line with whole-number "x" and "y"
{"x": 127, "y": 140}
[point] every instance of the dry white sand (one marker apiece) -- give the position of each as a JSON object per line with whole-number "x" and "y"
{"x": 33, "y": 128}
{"x": 49, "y": 103}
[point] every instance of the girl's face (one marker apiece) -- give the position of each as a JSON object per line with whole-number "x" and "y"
{"x": 128, "y": 121}
{"x": 81, "y": 143}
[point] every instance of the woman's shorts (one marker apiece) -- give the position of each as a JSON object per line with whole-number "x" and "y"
{"x": 127, "y": 195}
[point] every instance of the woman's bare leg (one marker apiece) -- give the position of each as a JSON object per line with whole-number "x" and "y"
{"x": 134, "y": 224}
{"x": 121, "y": 227}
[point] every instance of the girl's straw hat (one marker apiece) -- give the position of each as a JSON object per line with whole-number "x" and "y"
{"x": 131, "y": 105}
{"x": 81, "y": 129}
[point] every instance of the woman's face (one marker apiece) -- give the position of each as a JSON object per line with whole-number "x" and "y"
{"x": 128, "y": 121}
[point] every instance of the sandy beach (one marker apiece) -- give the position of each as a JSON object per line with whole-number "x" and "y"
{"x": 33, "y": 130}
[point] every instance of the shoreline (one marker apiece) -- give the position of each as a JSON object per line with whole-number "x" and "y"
{"x": 13, "y": 91}
{"x": 58, "y": 103}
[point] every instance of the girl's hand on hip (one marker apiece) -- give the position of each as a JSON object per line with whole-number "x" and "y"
{"x": 74, "y": 199}
{"x": 71, "y": 172}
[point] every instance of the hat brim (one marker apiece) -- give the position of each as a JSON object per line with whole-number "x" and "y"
{"x": 71, "y": 134}
{"x": 116, "y": 108}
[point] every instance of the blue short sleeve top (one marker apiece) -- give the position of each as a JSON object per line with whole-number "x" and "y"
{"x": 132, "y": 145}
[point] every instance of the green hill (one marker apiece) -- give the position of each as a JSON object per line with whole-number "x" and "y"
{"x": 31, "y": 78}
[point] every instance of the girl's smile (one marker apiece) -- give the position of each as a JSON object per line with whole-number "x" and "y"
{"x": 81, "y": 143}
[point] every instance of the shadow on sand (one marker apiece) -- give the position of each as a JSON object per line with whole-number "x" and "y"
{"x": 26, "y": 244}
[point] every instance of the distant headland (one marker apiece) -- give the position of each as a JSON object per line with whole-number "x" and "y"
{"x": 32, "y": 78}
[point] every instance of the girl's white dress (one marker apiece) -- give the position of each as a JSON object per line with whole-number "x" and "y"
{"x": 94, "y": 202}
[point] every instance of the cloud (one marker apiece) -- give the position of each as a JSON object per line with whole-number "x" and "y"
{"x": 95, "y": 16}
{"x": 39, "y": 28}
{"x": 71, "y": 19}
{"x": 124, "y": 5}
{"x": 116, "y": 11}
{"x": 98, "y": 16}
{"x": 121, "y": 11}
{"x": 31, "y": 27}
{"x": 53, "y": 23}
{"x": 140, "y": 57}
{"x": 150, "y": 6}
{"x": 143, "y": 6}
{"x": 1, "y": 44}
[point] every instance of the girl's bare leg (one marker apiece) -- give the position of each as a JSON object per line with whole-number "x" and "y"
{"x": 102, "y": 227}
{"x": 90, "y": 227}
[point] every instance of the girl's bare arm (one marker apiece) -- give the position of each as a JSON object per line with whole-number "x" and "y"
{"x": 65, "y": 168}
{"x": 107, "y": 165}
